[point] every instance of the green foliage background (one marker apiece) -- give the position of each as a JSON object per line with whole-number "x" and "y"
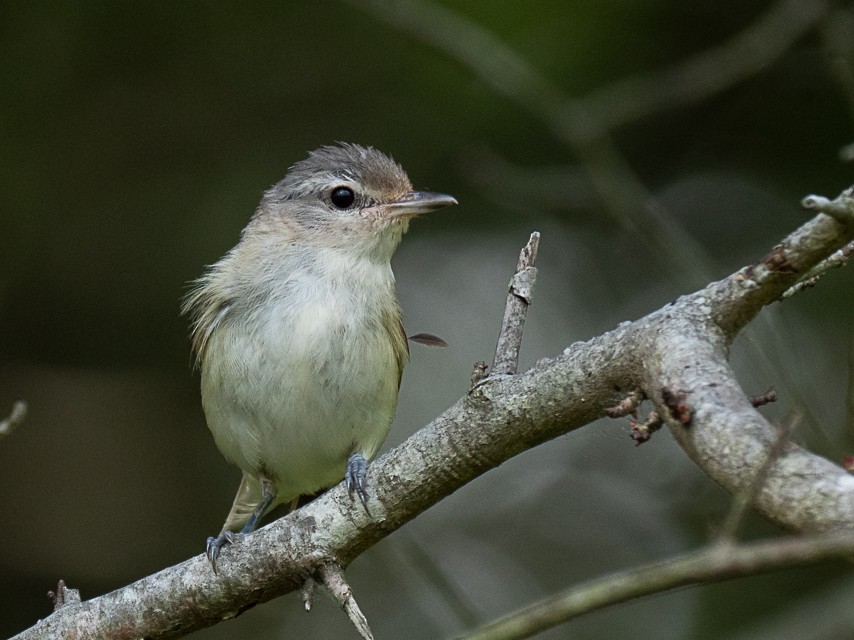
{"x": 137, "y": 139}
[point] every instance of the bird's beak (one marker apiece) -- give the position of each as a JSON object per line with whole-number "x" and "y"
{"x": 415, "y": 203}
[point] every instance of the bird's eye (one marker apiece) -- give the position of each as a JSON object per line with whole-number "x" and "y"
{"x": 342, "y": 197}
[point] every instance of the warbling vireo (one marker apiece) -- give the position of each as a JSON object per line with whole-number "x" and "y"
{"x": 298, "y": 332}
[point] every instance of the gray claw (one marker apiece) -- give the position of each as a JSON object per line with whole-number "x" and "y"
{"x": 356, "y": 479}
{"x": 214, "y": 546}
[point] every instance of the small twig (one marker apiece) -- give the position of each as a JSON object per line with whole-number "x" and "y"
{"x": 307, "y": 593}
{"x": 837, "y": 34}
{"x": 16, "y": 417}
{"x": 478, "y": 373}
{"x": 332, "y": 577}
{"x": 743, "y": 499}
{"x": 642, "y": 431}
{"x": 712, "y": 71}
{"x": 63, "y": 596}
{"x": 518, "y": 298}
{"x": 764, "y": 398}
{"x": 627, "y": 406}
{"x": 835, "y": 260}
{"x": 840, "y": 208}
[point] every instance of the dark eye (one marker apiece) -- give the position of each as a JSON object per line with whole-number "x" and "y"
{"x": 342, "y": 197}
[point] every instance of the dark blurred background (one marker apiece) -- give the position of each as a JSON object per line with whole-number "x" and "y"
{"x": 137, "y": 139}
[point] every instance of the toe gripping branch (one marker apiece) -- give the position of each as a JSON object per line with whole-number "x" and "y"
{"x": 357, "y": 480}
{"x": 214, "y": 546}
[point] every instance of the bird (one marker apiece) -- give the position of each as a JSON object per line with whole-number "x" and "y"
{"x": 297, "y": 331}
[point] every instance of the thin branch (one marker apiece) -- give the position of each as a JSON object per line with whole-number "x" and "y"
{"x": 787, "y": 261}
{"x": 711, "y": 72}
{"x": 519, "y": 296}
{"x": 584, "y": 125}
{"x": 306, "y": 592}
{"x": 625, "y": 198}
{"x": 764, "y": 398}
{"x": 642, "y": 431}
{"x": 627, "y": 406}
{"x": 715, "y": 563}
{"x": 15, "y": 418}
{"x": 63, "y": 596}
{"x": 332, "y": 577}
{"x": 841, "y": 208}
{"x": 837, "y": 36}
{"x": 834, "y": 261}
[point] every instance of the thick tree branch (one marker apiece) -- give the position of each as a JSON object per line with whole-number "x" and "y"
{"x": 725, "y": 435}
{"x": 676, "y": 356}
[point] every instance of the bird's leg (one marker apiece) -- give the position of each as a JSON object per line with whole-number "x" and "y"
{"x": 356, "y": 478}
{"x": 215, "y": 544}
{"x": 268, "y": 493}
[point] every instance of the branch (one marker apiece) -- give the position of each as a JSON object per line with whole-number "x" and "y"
{"x": 15, "y": 418}
{"x": 837, "y": 34}
{"x": 835, "y": 260}
{"x": 519, "y": 297}
{"x": 676, "y": 356}
{"x": 715, "y": 563}
{"x": 626, "y": 100}
{"x": 747, "y": 495}
{"x": 572, "y": 120}
{"x": 332, "y": 577}
{"x": 712, "y": 71}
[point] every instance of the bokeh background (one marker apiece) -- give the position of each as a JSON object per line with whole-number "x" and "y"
{"x": 137, "y": 138}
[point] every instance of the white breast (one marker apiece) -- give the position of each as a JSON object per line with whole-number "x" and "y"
{"x": 308, "y": 376}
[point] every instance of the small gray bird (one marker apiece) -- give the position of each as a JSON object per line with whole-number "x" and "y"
{"x": 298, "y": 332}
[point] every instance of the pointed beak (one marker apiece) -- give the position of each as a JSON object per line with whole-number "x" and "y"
{"x": 415, "y": 203}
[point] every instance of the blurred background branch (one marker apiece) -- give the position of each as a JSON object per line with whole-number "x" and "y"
{"x": 714, "y": 563}
{"x": 16, "y": 417}
{"x": 711, "y": 72}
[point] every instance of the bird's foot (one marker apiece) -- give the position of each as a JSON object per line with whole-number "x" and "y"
{"x": 214, "y": 545}
{"x": 357, "y": 480}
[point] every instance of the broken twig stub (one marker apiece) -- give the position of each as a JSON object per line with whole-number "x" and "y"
{"x": 519, "y": 297}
